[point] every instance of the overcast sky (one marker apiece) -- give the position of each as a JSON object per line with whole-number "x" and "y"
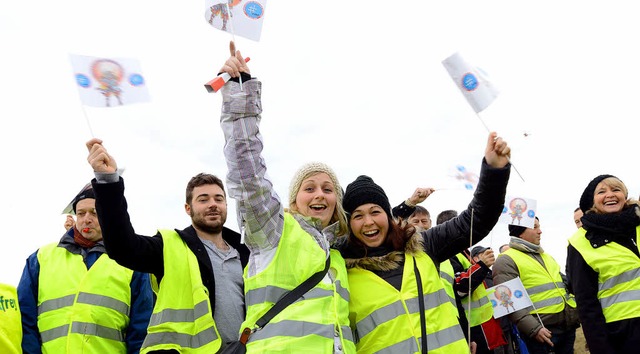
{"x": 356, "y": 84}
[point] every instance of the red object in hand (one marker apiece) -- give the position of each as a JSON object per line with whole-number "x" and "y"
{"x": 219, "y": 81}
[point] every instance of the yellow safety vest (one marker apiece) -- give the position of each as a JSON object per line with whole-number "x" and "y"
{"x": 317, "y": 320}
{"x": 448, "y": 277}
{"x": 388, "y": 320}
{"x": 481, "y": 308}
{"x": 80, "y": 310}
{"x": 10, "y": 321}
{"x": 543, "y": 284}
{"x": 618, "y": 271}
{"x": 182, "y": 318}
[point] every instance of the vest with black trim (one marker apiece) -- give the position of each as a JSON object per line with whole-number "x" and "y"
{"x": 543, "y": 284}
{"x": 10, "y": 321}
{"x": 388, "y": 320}
{"x": 80, "y": 310}
{"x": 182, "y": 319}
{"x": 618, "y": 271}
{"x": 481, "y": 308}
{"x": 316, "y": 322}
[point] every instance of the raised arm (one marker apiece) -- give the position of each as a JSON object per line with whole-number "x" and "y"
{"x": 260, "y": 212}
{"x": 137, "y": 252}
{"x": 446, "y": 240}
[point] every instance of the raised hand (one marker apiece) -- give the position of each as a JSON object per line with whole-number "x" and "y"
{"x": 99, "y": 158}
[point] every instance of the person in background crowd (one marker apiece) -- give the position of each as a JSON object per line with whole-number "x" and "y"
{"x": 75, "y": 299}
{"x": 550, "y": 325}
{"x": 69, "y": 222}
{"x": 577, "y": 217}
{"x": 410, "y": 210}
{"x": 446, "y": 215}
{"x": 603, "y": 262}
{"x": 473, "y": 273}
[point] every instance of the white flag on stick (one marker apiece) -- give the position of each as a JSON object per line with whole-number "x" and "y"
{"x": 508, "y": 297}
{"x": 471, "y": 81}
{"x": 109, "y": 82}
{"x": 520, "y": 211}
{"x": 239, "y": 17}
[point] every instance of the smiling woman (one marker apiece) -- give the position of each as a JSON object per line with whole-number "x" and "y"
{"x": 393, "y": 270}
{"x": 602, "y": 262}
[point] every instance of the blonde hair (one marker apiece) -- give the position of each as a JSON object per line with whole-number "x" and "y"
{"x": 305, "y": 172}
{"x": 615, "y": 182}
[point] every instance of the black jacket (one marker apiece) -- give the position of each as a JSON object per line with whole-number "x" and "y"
{"x": 602, "y": 337}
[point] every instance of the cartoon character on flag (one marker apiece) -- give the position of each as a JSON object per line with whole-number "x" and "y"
{"x": 105, "y": 82}
{"x": 508, "y": 297}
{"x": 240, "y": 17}
{"x": 519, "y": 211}
{"x": 469, "y": 178}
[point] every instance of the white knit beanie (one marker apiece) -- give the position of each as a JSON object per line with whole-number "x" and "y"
{"x": 307, "y": 170}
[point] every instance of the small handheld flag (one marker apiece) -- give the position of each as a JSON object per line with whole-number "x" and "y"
{"x": 105, "y": 82}
{"x": 508, "y": 297}
{"x": 471, "y": 81}
{"x": 241, "y": 17}
{"x": 519, "y": 211}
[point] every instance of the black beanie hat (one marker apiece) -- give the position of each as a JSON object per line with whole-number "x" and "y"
{"x": 586, "y": 200}
{"x": 362, "y": 191}
{"x": 84, "y": 194}
{"x": 516, "y": 230}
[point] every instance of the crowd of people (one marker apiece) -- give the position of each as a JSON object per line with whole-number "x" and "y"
{"x": 331, "y": 270}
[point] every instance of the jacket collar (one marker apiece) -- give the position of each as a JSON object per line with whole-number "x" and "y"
{"x": 388, "y": 261}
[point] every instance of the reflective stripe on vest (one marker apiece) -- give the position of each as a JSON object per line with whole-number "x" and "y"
{"x": 388, "y": 320}
{"x": 543, "y": 284}
{"x": 447, "y": 276}
{"x": 10, "y": 320}
{"x": 481, "y": 308}
{"x": 273, "y": 294}
{"x": 618, "y": 270}
{"x": 82, "y": 310}
{"x": 319, "y": 319}
{"x": 182, "y": 317}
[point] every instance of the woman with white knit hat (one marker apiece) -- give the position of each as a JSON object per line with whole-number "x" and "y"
{"x": 288, "y": 243}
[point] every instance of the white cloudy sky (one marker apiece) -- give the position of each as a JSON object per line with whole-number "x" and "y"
{"x": 356, "y": 84}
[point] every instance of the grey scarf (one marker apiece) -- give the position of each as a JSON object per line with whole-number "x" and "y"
{"x": 524, "y": 246}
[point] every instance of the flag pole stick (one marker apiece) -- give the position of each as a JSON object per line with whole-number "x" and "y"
{"x": 86, "y": 118}
{"x": 509, "y": 159}
{"x": 233, "y": 37}
{"x": 469, "y": 292}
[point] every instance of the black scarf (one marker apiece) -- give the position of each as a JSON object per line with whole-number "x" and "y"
{"x": 619, "y": 227}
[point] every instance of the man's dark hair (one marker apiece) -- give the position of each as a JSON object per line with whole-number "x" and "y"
{"x": 445, "y": 216}
{"x": 202, "y": 179}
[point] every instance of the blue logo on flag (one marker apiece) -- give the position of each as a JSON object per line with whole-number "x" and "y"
{"x": 469, "y": 82}
{"x": 518, "y": 294}
{"x": 494, "y": 303}
{"x": 253, "y": 10}
{"x": 136, "y": 80}
{"x": 83, "y": 80}
{"x": 531, "y": 214}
